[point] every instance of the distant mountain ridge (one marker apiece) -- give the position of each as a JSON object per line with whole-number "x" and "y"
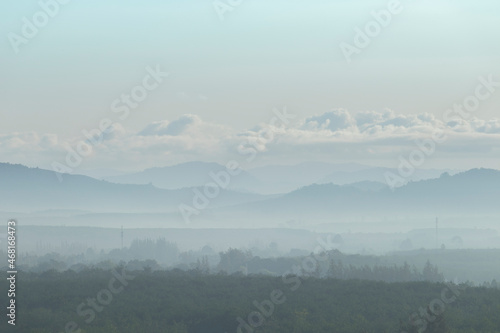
{"x": 471, "y": 192}
{"x": 378, "y": 175}
{"x": 30, "y": 189}
{"x": 190, "y": 174}
{"x": 271, "y": 179}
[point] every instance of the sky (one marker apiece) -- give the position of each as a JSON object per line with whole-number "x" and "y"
{"x": 232, "y": 67}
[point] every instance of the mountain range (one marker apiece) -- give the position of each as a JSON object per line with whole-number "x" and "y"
{"x": 26, "y": 189}
{"x": 271, "y": 179}
{"x": 471, "y": 193}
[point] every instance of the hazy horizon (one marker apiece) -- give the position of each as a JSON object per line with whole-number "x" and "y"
{"x": 268, "y": 166}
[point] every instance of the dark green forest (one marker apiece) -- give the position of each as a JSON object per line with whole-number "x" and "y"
{"x": 122, "y": 301}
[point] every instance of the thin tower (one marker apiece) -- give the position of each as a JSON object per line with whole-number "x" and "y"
{"x": 122, "y": 237}
{"x": 437, "y": 241}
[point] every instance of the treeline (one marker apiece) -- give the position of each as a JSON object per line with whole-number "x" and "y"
{"x": 160, "y": 254}
{"x": 121, "y": 301}
{"x": 333, "y": 264}
{"x": 394, "y": 273}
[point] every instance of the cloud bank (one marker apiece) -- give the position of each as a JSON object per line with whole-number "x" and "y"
{"x": 337, "y": 135}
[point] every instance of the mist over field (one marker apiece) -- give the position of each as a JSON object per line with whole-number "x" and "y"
{"x": 250, "y": 166}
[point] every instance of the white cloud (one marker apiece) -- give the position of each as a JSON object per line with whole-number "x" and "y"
{"x": 172, "y": 128}
{"x": 336, "y": 134}
{"x": 335, "y": 120}
{"x": 27, "y": 141}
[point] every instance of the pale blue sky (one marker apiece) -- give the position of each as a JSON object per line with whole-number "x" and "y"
{"x": 264, "y": 54}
